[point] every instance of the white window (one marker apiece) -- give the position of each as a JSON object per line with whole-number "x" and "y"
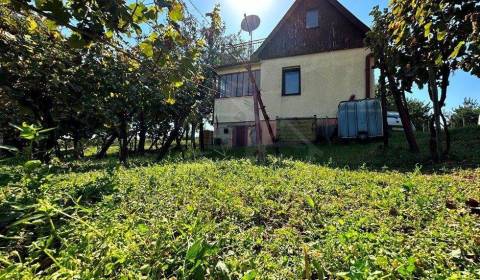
{"x": 291, "y": 81}
{"x": 312, "y": 18}
{"x": 237, "y": 84}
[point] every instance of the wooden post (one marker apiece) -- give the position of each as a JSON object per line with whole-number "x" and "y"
{"x": 327, "y": 134}
{"x": 258, "y": 128}
{"x": 258, "y": 96}
{"x": 257, "y": 100}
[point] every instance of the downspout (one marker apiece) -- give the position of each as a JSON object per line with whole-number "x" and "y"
{"x": 368, "y": 75}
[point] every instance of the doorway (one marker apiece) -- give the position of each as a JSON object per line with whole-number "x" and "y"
{"x": 240, "y": 136}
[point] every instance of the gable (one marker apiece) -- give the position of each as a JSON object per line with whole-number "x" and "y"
{"x": 337, "y": 29}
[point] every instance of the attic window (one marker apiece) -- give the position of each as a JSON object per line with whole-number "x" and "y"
{"x": 312, "y": 18}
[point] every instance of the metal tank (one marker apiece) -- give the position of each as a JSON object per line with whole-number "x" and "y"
{"x": 360, "y": 119}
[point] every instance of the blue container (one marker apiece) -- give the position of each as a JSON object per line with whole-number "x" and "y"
{"x": 360, "y": 119}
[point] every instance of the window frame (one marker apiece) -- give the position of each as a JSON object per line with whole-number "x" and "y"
{"x": 222, "y": 86}
{"x": 237, "y": 84}
{"x": 290, "y": 70}
{"x": 318, "y": 18}
{"x": 246, "y": 83}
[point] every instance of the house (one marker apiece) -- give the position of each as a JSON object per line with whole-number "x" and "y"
{"x": 313, "y": 59}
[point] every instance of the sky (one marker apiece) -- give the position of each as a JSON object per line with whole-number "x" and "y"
{"x": 462, "y": 85}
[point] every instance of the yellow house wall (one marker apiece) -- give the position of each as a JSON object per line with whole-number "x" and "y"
{"x": 326, "y": 80}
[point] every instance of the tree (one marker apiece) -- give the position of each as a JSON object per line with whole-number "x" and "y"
{"x": 393, "y": 69}
{"x": 100, "y": 20}
{"x": 218, "y": 51}
{"x": 466, "y": 114}
{"x": 105, "y": 88}
{"x": 434, "y": 35}
{"x": 423, "y": 42}
{"x": 419, "y": 112}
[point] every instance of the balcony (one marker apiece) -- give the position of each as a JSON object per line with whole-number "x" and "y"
{"x": 239, "y": 53}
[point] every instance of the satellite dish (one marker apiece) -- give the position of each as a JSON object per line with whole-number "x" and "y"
{"x": 250, "y": 23}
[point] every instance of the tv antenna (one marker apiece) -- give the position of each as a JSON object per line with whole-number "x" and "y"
{"x": 249, "y": 24}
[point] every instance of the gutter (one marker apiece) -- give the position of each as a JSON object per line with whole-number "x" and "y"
{"x": 368, "y": 75}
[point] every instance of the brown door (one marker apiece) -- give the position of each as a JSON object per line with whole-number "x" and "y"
{"x": 240, "y": 136}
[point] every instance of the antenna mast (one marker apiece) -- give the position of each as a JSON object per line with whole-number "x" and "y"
{"x": 249, "y": 24}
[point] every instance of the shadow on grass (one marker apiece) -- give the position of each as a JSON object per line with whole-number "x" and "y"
{"x": 465, "y": 154}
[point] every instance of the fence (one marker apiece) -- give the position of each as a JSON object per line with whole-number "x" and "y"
{"x": 305, "y": 130}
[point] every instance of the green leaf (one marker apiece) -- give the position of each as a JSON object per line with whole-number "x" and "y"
{"x": 47, "y": 130}
{"x": 310, "y": 201}
{"x": 9, "y": 148}
{"x": 142, "y": 228}
{"x": 16, "y": 127}
{"x": 439, "y": 60}
{"x": 170, "y": 100}
{"x": 428, "y": 27}
{"x": 32, "y": 165}
{"x": 109, "y": 34}
{"x": 153, "y": 36}
{"x": 31, "y": 24}
{"x": 146, "y": 48}
{"x": 173, "y": 34}
{"x": 250, "y": 275}
{"x": 178, "y": 84}
{"x": 457, "y": 49}
{"x": 51, "y": 25}
{"x": 40, "y": 3}
{"x": 56, "y": 9}
{"x": 194, "y": 251}
{"x": 76, "y": 41}
{"x": 441, "y": 35}
{"x": 176, "y": 12}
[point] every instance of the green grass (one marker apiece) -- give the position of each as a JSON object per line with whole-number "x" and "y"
{"x": 235, "y": 219}
{"x": 465, "y": 152}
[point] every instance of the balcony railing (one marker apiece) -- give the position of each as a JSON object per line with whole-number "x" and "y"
{"x": 239, "y": 53}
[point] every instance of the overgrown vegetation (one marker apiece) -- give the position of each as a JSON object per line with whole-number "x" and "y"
{"x": 86, "y": 79}
{"x": 235, "y": 219}
{"x": 467, "y": 114}
{"x": 106, "y": 71}
{"x": 423, "y": 44}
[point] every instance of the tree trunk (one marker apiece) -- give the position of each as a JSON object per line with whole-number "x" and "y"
{"x": 154, "y": 142}
{"x": 171, "y": 137}
{"x": 404, "y": 116}
{"x": 187, "y": 135}
{"x": 178, "y": 139}
{"x": 103, "y": 152}
{"x": 142, "y": 134}
{"x": 432, "y": 142}
{"x": 448, "y": 141}
{"x": 123, "y": 140}
{"x": 443, "y": 97}
{"x": 383, "y": 95}
{"x": 193, "y": 140}
{"x": 433, "y": 91}
{"x": 202, "y": 143}
{"x": 77, "y": 146}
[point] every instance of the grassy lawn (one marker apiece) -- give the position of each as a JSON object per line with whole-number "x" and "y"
{"x": 465, "y": 152}
{"x": 227, "y": 218}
